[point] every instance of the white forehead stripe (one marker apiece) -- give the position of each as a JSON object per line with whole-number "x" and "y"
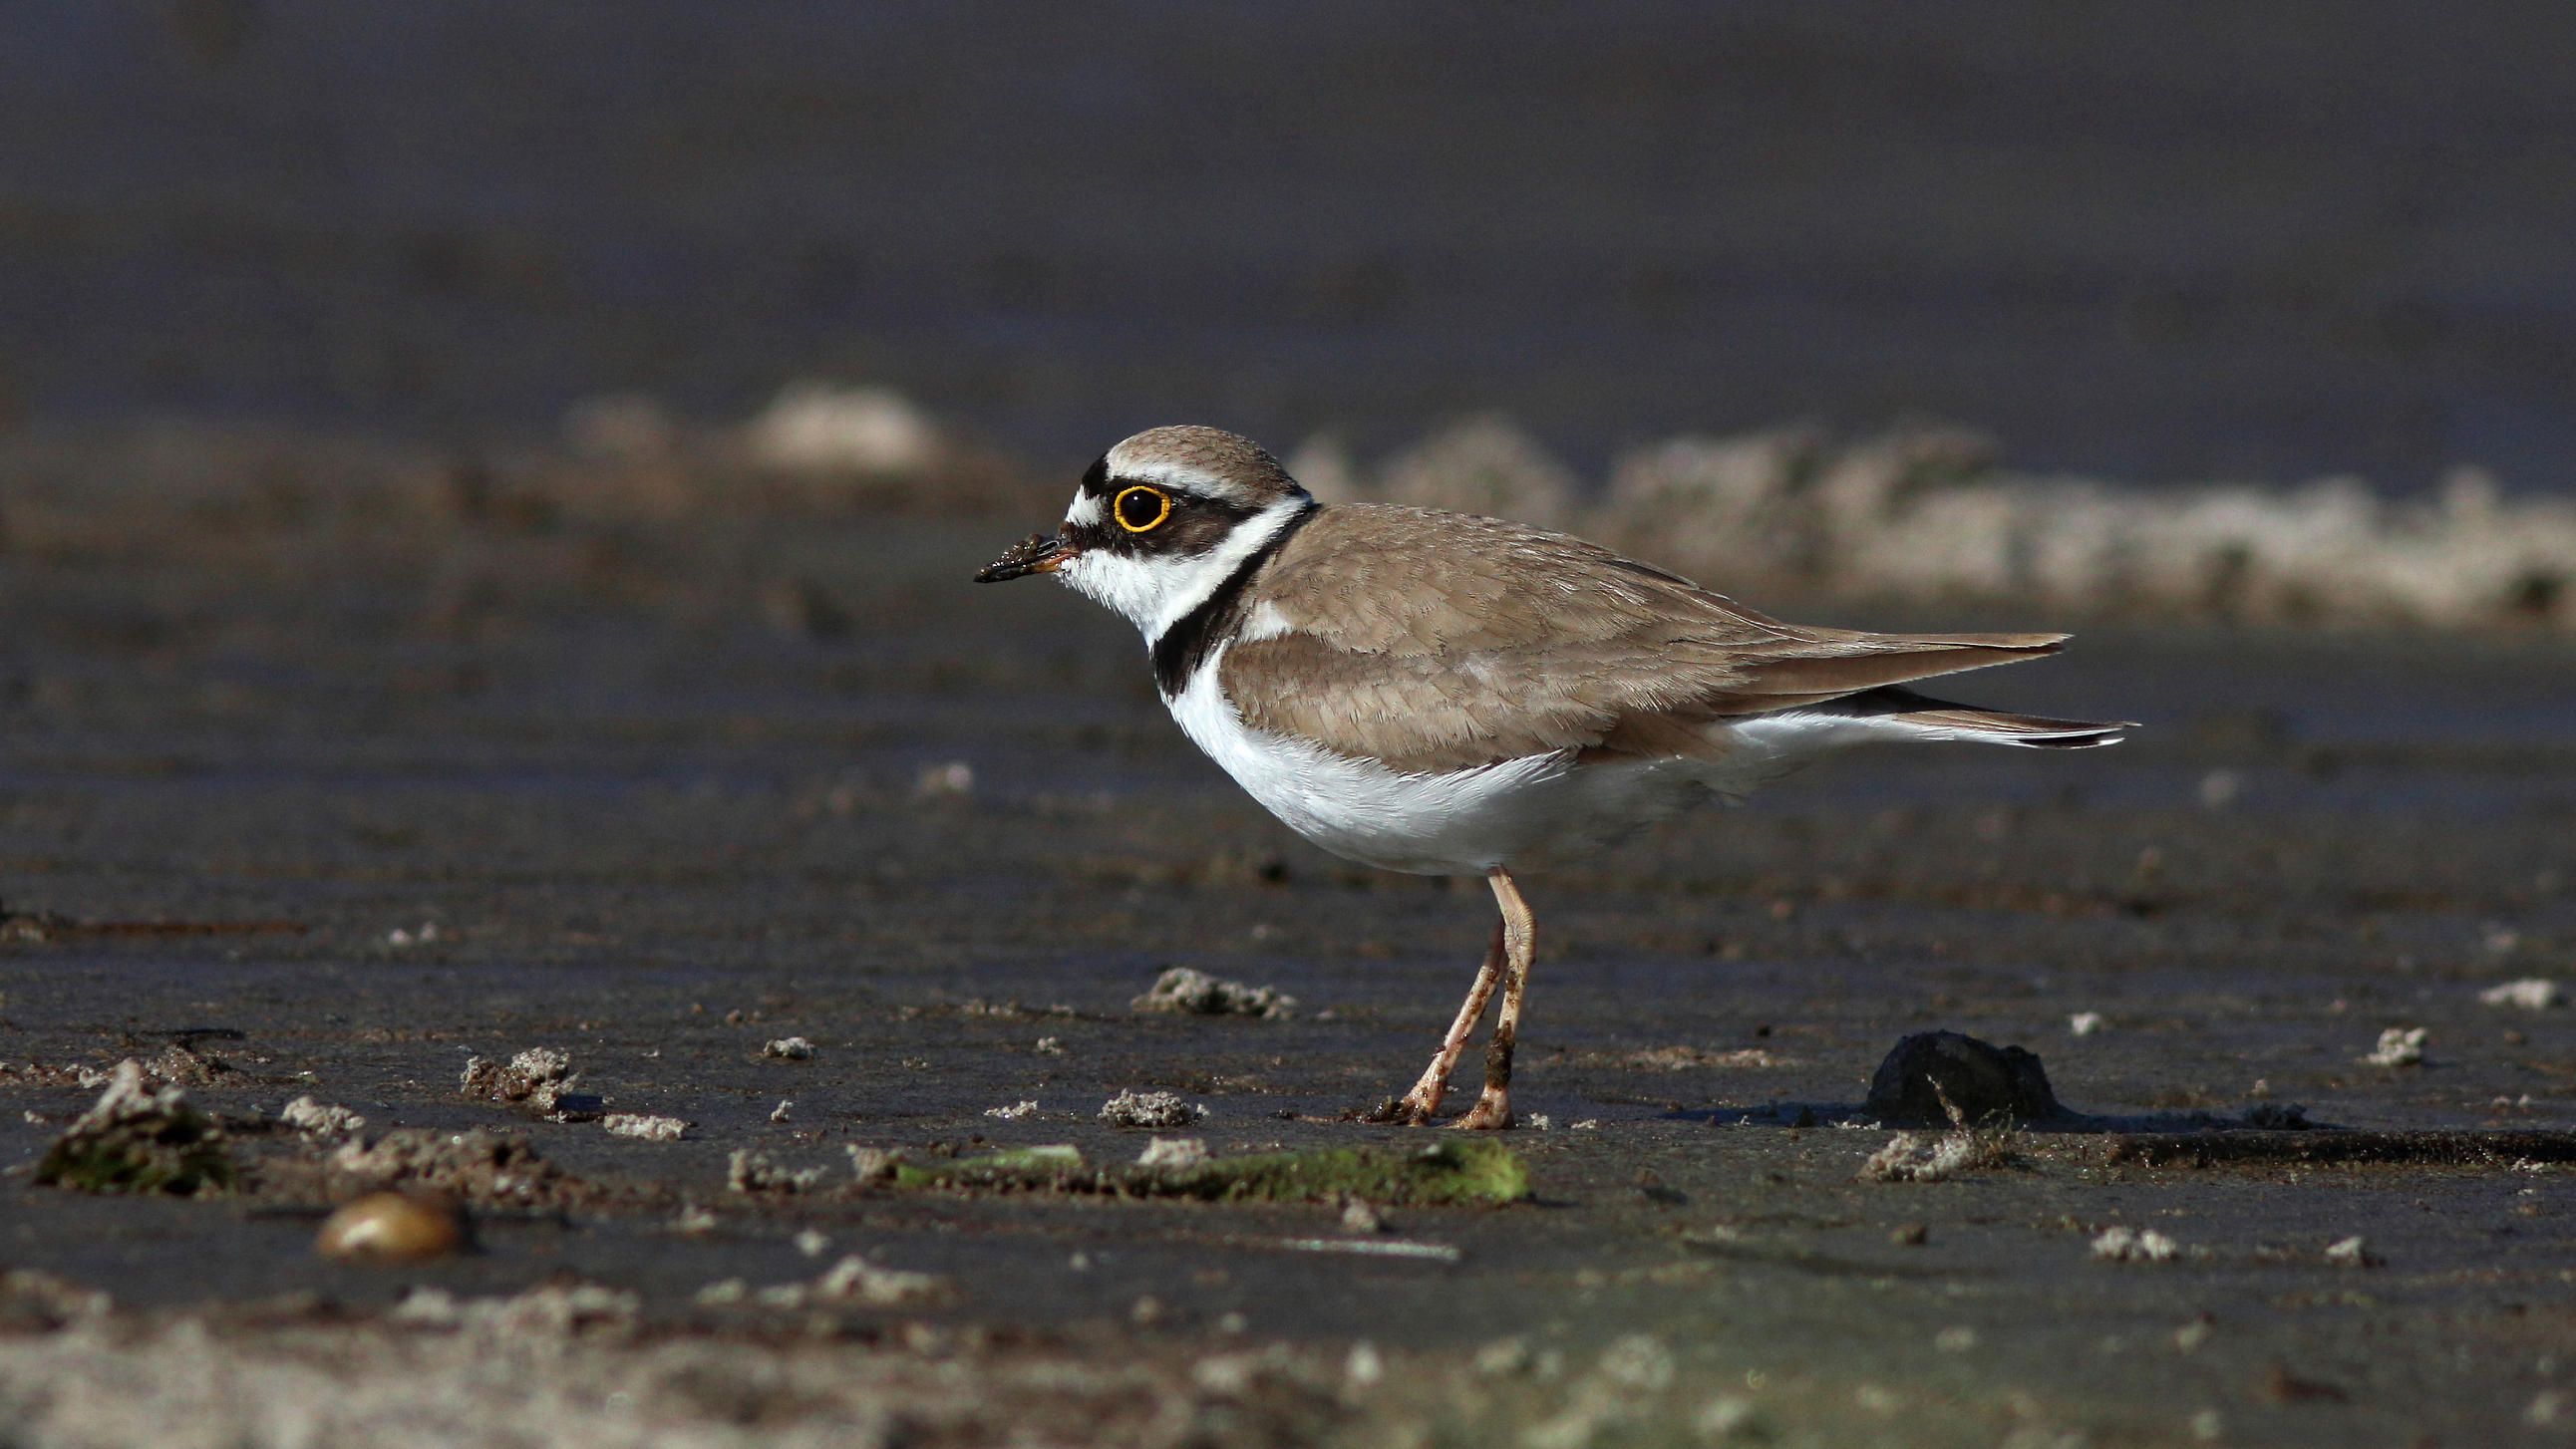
{"x": 1085, "y": 510}
{"x": 1179, "y": 477}
{"x": 1185, "y": 477}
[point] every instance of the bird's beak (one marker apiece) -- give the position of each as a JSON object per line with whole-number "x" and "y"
{"x": 1035, "y": 554}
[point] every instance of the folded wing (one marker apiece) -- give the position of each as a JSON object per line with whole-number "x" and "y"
{"x": 1440, "y": 641}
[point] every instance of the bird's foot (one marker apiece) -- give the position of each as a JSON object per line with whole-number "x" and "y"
{"x": 1386, "y": 1110}
{"x": 1492, "y": 1112}
{"x": 1413, "y": 1109}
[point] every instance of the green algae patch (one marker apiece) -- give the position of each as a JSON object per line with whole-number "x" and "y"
{"x": 139, "y": 1139}
{"x": 1456, "y": 1172}
{"x": 1448, "y": 1172}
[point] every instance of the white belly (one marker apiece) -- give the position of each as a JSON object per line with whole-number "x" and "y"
{"x": 1528, "y": 813}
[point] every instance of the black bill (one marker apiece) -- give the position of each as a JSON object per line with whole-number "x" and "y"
{"x": 1035, "y": 554}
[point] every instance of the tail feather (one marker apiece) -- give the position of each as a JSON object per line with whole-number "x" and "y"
{"x": 1832, "y": 664}
{"x": 1941, "y": 719}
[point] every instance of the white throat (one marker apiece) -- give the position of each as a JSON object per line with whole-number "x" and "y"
{"x": 1156, "y": 593}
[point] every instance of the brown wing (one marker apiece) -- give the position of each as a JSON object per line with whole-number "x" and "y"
{"x": 1436, "y": 641}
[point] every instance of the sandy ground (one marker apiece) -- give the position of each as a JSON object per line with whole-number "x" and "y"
{"x": 659, "y": 840}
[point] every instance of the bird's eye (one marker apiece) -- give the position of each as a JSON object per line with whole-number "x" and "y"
{"x": 1141, "y": 508}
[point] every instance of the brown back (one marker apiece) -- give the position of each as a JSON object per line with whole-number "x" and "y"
{"x": 1437, "y": 641}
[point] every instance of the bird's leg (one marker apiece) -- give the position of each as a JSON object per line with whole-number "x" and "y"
{"x": 1520, "y": 944}
{"x": 1424, "y": 1099}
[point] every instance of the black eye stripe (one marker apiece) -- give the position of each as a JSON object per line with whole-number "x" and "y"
{"x": 1193, "y": 524}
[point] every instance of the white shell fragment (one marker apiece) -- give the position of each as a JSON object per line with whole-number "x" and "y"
{"x": 2399, "y": 1046}
{"x": 2129, "y": 1245}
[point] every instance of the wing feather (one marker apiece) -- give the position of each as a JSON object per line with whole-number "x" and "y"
{"x": 1439, "y": 641}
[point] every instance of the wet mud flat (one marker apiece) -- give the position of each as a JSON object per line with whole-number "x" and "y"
{"x": 327, "y": 835}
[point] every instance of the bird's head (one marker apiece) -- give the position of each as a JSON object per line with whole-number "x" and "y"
{"x": 1160, "y": 521}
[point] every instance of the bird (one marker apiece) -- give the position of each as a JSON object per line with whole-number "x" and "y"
{"x": 1445, "y": 694}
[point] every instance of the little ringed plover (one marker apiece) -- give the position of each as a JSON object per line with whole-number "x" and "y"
{"x": 1446, "y": 695}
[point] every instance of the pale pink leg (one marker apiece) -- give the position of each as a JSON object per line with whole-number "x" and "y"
{"x": 1424, "y": 1099}
{"x": 1493, "y": 1109}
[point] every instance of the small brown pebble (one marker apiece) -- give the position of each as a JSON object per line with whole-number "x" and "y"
{"x": 1650, "y": 1186}
{"x": 1912, "y": 1235}
{"x": 2280, "y": 1386}
{"x": 393, "y": 1226}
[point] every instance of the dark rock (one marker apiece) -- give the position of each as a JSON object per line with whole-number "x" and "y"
{"x": 1934, "y": 1078}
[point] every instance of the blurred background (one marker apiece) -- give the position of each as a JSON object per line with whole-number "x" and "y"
{"x": 2179, "y": 241}
{"x": 2192, "y": 307}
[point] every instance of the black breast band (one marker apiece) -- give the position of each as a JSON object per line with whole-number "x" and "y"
{"x": 1187, "y": 644}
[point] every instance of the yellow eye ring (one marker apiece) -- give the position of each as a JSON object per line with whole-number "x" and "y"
{"x": 1162, "y": 506}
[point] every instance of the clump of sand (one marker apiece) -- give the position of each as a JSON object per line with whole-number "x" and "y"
{"x": 139, "y": 1138}
{"x": 538, "y": 1077}
{"x": 1150, "y": 1109}
{"x": 1195, "y": 993}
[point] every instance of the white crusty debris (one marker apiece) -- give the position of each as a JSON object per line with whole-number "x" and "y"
{"x": 1195, "y": 993}
{"x": 874, "y": 1164}
{"x": 2398, "y": 1047}
{"x": 856, "y": 1280}
{"x": 852, "y": 1280}
{"x": 1173, "y": 1154}
{"x": 537, "y": 1077}
{"x": 1150, "y": 1109}
{"x": 1929, "y": 1157}
{"x": 320, "y": 1119}
{"x": 749, "y": 1171}
{"x": 2129, "y": 1245}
